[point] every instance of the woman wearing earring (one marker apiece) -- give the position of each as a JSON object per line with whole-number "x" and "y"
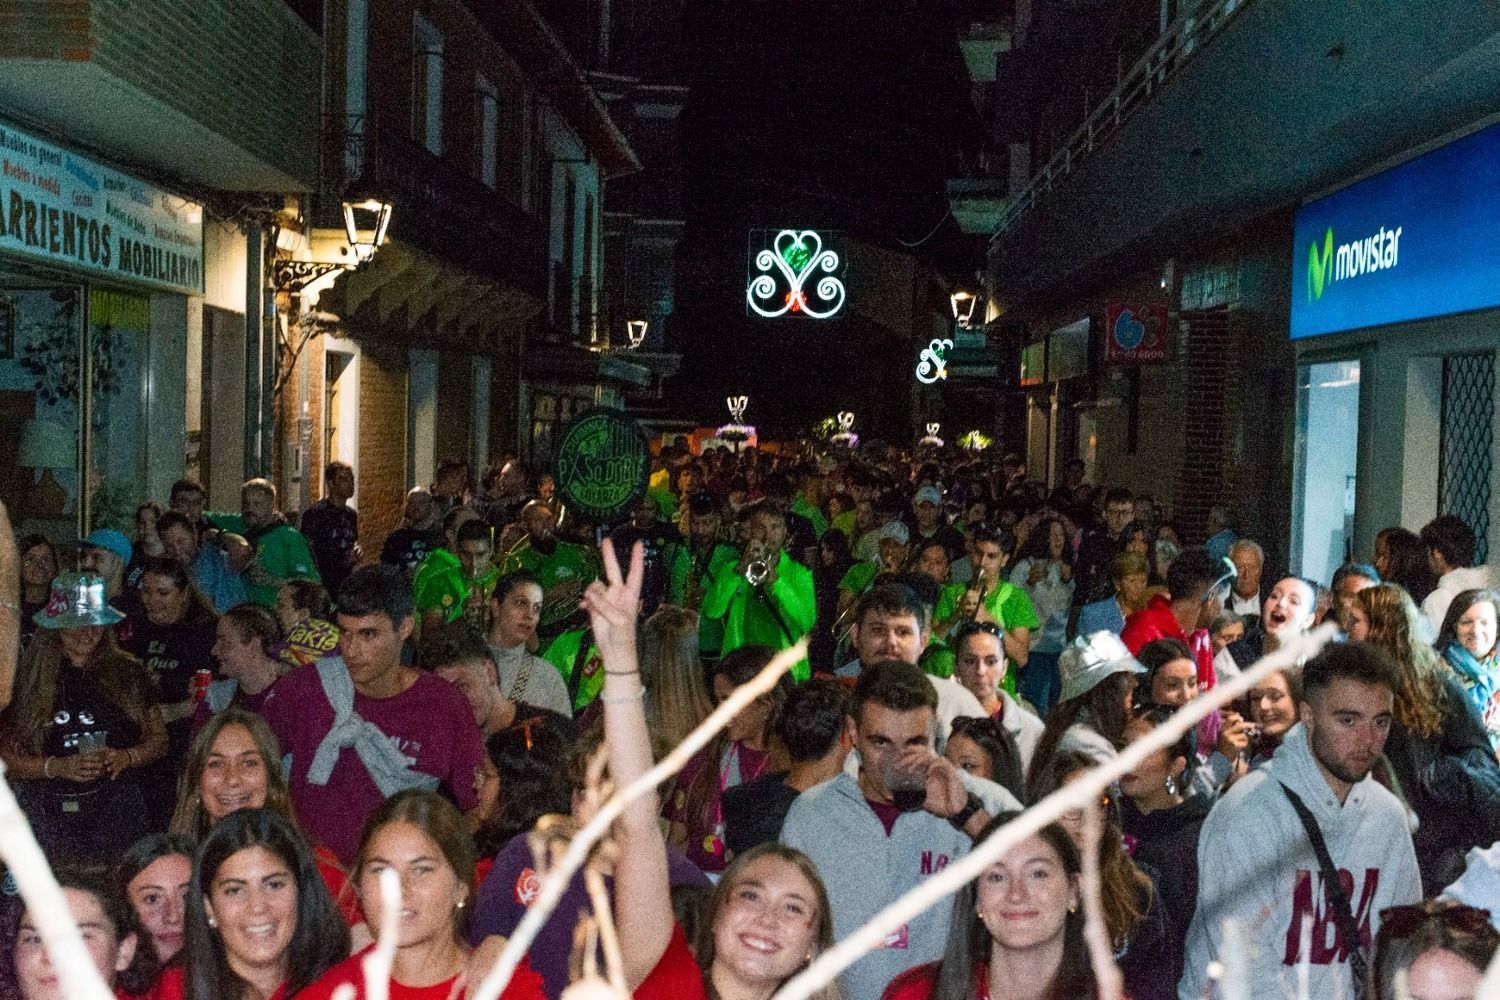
{"x": 423, "y": 839}
{"x": 260, "y": 924}
{"x": 1161, "y": 820}
{"x": 1017, "y": 932}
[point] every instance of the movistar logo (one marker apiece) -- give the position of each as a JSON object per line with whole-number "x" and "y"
{"x": 1317, "y": 266}
{"x": 1350, "y": 260}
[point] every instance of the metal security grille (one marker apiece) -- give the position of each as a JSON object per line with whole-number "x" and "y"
{"x": 1464, "y": 465}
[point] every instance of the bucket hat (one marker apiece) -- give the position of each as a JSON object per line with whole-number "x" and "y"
{"x": 77, "y": 600}
{"x": 1090, "y": 660}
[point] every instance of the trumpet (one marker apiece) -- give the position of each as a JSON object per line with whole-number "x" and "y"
{"x": 759, "y": 566}
{"x": 960, "y": 619}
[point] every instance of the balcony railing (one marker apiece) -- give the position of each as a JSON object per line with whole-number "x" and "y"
{"x": 437, "y": 206}
{"x": 1161, "y": 63}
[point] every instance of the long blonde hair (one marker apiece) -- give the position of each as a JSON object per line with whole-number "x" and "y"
{"x": 118, "y": 674}
{"x": 1396, "y": 625}
{"x": 676, "y": 694}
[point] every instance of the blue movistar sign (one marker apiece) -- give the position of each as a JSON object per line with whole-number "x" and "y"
{"x": 1419, "y": 240}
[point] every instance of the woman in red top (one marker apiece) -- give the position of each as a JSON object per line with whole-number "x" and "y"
{"x": 260, "y": 922}
{"x": 235, "y": 763}
{"x": 421, "y": 837}
{"x": 1017, "y": 933}
{"x": 768, "y": 917}
{"x": 120, "y": 952}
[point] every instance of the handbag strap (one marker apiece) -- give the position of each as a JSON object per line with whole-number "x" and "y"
{"x": 1343, "y": 910}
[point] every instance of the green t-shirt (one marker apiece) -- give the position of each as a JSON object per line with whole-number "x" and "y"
{"x": 1007, "y": 604}
{"x": 801, "y": 505}
{"x": 562, "y": 653}
{"x": 449, "y": 588}
{"x": 858, "y": 577}
{"x": 937, "y": 659}
{"x": 845, "y": 522}
{"x": 282, "y": 552}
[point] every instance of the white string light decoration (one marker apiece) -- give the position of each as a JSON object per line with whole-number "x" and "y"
{"x": 796, "y": 255}
{"x": 931, "y": 364}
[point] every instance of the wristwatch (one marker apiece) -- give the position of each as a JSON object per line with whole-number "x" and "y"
{"x": 961, "y": 818}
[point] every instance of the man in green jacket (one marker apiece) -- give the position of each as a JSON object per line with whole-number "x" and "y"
{"x": 778, "y": 610}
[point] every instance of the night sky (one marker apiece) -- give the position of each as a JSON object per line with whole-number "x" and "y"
{"x": 813, "y": 117}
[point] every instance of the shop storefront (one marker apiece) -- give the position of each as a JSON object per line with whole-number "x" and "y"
{"x": 1395, "y": 318}
{"x": 95, "y": 272}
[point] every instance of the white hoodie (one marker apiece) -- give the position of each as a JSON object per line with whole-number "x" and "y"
{"x": 1450, "y": 585}
{"x": 1257, "y": 867}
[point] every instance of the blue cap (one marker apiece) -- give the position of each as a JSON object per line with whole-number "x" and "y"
{"x": 111, "y": 541}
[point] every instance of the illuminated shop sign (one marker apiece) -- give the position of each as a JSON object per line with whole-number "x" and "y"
{"x": 1419, "y": 240}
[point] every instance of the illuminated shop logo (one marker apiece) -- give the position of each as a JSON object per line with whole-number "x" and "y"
{"x": 1326, "y": 265}
{"x": 796, "y": 272}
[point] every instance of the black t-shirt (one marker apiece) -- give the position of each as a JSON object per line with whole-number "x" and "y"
{"x": 755, "y": 810}
{"x": 90, "y": 820}
{"x": 407, "y": 548}
{"x": 331, "y": 530}
{"x": 171, "y": 654}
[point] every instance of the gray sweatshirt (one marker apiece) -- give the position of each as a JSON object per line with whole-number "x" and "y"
{"x": 1257, "y": 867}
{"x": 864, "y": 871}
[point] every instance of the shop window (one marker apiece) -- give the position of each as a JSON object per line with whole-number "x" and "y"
{"x": 41, "y": 378}
{"x": 118, "y": 329}
{"x": 1467, "y": 437}
{"x": 1326, "y": 467}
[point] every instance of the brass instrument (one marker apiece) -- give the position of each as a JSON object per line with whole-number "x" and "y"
{"x": 759, "y": 566}
{"x": 959, "y": 618}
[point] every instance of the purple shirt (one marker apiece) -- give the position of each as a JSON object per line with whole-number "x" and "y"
{"x": 430, "y": 722}
{"x": 511, "y": 887}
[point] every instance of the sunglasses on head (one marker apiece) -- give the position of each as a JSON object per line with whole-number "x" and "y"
{"x": 968, "y": 725}
{"x": 1404, "y": 921}
{"x": 970, "y": 628}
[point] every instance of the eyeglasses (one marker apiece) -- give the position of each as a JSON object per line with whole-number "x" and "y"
{"x": 1404, "y": 921}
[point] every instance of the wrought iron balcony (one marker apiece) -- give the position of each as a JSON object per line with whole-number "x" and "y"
{"x": 437, "y": 206}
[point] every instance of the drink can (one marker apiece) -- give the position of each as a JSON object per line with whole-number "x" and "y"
{"x": 201, "y": 680}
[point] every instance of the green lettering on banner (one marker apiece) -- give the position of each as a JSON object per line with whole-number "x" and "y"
{"x": 603, "y": 464}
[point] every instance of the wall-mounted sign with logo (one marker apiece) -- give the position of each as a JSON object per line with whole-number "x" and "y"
{"x": 1135, "y": 333}
{"x": 1419, "y": 240}
{"x": 61, "y": 208}
{"x": 603, "y": 463}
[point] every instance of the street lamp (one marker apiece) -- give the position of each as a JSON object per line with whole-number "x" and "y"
{"x": 962, "y": 303}
{"x": 636, "y": 329}
{"x": 374, "y": 211}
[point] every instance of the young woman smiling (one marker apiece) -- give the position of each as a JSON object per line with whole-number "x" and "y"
{"x": 423, "y": 838}
{"x": 260, "y": 923}
{"x": 113, "y": 939}
{"x": 768, "y": 917}
{"x": 1017, "y": 933}
{"x": 235, "y": 763}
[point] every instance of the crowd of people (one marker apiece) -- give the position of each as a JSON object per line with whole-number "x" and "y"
{"x": 224, "y": 729}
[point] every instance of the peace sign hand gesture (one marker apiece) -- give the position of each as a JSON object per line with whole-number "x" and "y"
{"x": 613, "y": 605}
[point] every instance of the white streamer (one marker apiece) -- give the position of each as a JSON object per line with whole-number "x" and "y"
{"x": 47, "y": 904}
